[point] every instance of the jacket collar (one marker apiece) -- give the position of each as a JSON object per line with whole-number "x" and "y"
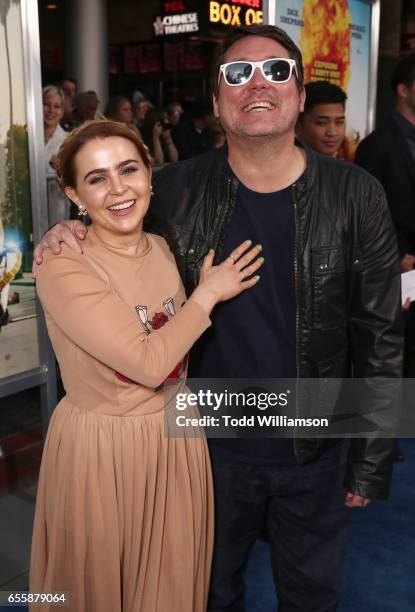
{"x": 307, "y": 178}
{"x": 303, "y": 183}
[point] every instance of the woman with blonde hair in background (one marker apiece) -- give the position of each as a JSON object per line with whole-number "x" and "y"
{"x": 53, "y": 108}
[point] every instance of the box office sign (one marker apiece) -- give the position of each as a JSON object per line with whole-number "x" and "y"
{"x": 190, "y": 16}
{"x": 235, "y": 12}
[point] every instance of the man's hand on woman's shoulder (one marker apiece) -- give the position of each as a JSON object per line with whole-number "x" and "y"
{"x": 68, "y": 232}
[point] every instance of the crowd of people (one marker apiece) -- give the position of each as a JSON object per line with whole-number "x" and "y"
{"x": 173, "y": 135}
{"x": 170, "y": 133}
{"x": 124, "y": 517}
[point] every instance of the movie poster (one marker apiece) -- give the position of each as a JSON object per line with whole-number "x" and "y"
{"x": 335, "y": 39}
{"x": 18, "y": 325}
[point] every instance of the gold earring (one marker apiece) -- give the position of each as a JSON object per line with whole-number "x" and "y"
{"x": 151, "y": 190}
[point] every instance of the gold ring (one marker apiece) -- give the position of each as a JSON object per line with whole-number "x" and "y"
{"x": 233, "y": 259}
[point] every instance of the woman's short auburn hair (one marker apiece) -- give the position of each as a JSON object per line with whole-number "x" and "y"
{"x": 91, "y": 130}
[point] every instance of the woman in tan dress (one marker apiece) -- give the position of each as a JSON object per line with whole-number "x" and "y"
{"x": 124, "y": 517}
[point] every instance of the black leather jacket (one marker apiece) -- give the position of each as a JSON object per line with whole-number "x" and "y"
{"x": 347, "y": 277}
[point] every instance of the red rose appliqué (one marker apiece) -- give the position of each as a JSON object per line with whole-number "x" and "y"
{"x": 159, "y": 319}
{"x": 175, "y": 374}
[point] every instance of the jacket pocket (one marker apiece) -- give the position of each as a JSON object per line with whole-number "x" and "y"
{"x": 329, "y": 288}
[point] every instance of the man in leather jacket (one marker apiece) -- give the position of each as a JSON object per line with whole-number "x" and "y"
{"x": 329, "y": 302}
{"x": 388, "y": 153}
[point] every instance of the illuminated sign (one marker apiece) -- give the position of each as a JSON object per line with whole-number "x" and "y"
{"x": 236, "y": 12}
{"x": 174, "y": 7}
{"x": 176, "y": 24}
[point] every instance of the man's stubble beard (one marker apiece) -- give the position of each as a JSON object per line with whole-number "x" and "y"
{"x": 239, "y": 131}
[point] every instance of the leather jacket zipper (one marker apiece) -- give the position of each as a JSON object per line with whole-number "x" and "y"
{"x": 297, "y": 315}
{"x": 223, "y": 226}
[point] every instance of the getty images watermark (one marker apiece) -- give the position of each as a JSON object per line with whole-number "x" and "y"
{"x": 260, "y": 401}
{"x": 263, "y": 408}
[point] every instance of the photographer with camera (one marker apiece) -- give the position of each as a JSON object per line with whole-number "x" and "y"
{"x": 156, "y": 134}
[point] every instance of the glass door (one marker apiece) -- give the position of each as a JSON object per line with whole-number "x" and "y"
{"x": 27, "y": 367}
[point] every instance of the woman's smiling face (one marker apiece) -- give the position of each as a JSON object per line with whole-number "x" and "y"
{"x": 113, "y": 184}
{"x": 52, "y": 110}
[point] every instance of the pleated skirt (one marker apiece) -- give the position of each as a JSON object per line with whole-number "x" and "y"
{"x": 124, "y": 515}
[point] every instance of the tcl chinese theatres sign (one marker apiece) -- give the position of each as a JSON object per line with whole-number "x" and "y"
{"x": 236, "y": 12}
{"x": 179, "y": 17}
{"x": 183, "y": 23}
{"x": 193, "y": 16}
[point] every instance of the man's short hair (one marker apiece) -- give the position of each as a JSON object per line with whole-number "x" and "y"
{"x": 323, "y": 92}
{"x": 83, "y": 98}
{"x": 404, "y": 72}
{"x": 267, "y": 31}
{"x": 170, "y": 107}
{"x": 71, "y": 79}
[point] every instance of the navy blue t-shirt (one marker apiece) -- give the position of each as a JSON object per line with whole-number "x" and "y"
{"x": 254, "y": 334}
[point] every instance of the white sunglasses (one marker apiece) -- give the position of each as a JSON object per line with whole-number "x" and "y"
{"x": 275, "y": 69}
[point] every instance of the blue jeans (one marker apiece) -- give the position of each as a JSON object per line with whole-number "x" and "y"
{"x": 302, "y": 511}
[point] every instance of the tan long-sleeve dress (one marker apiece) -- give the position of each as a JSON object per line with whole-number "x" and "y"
{"x": 124, "y": 514}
